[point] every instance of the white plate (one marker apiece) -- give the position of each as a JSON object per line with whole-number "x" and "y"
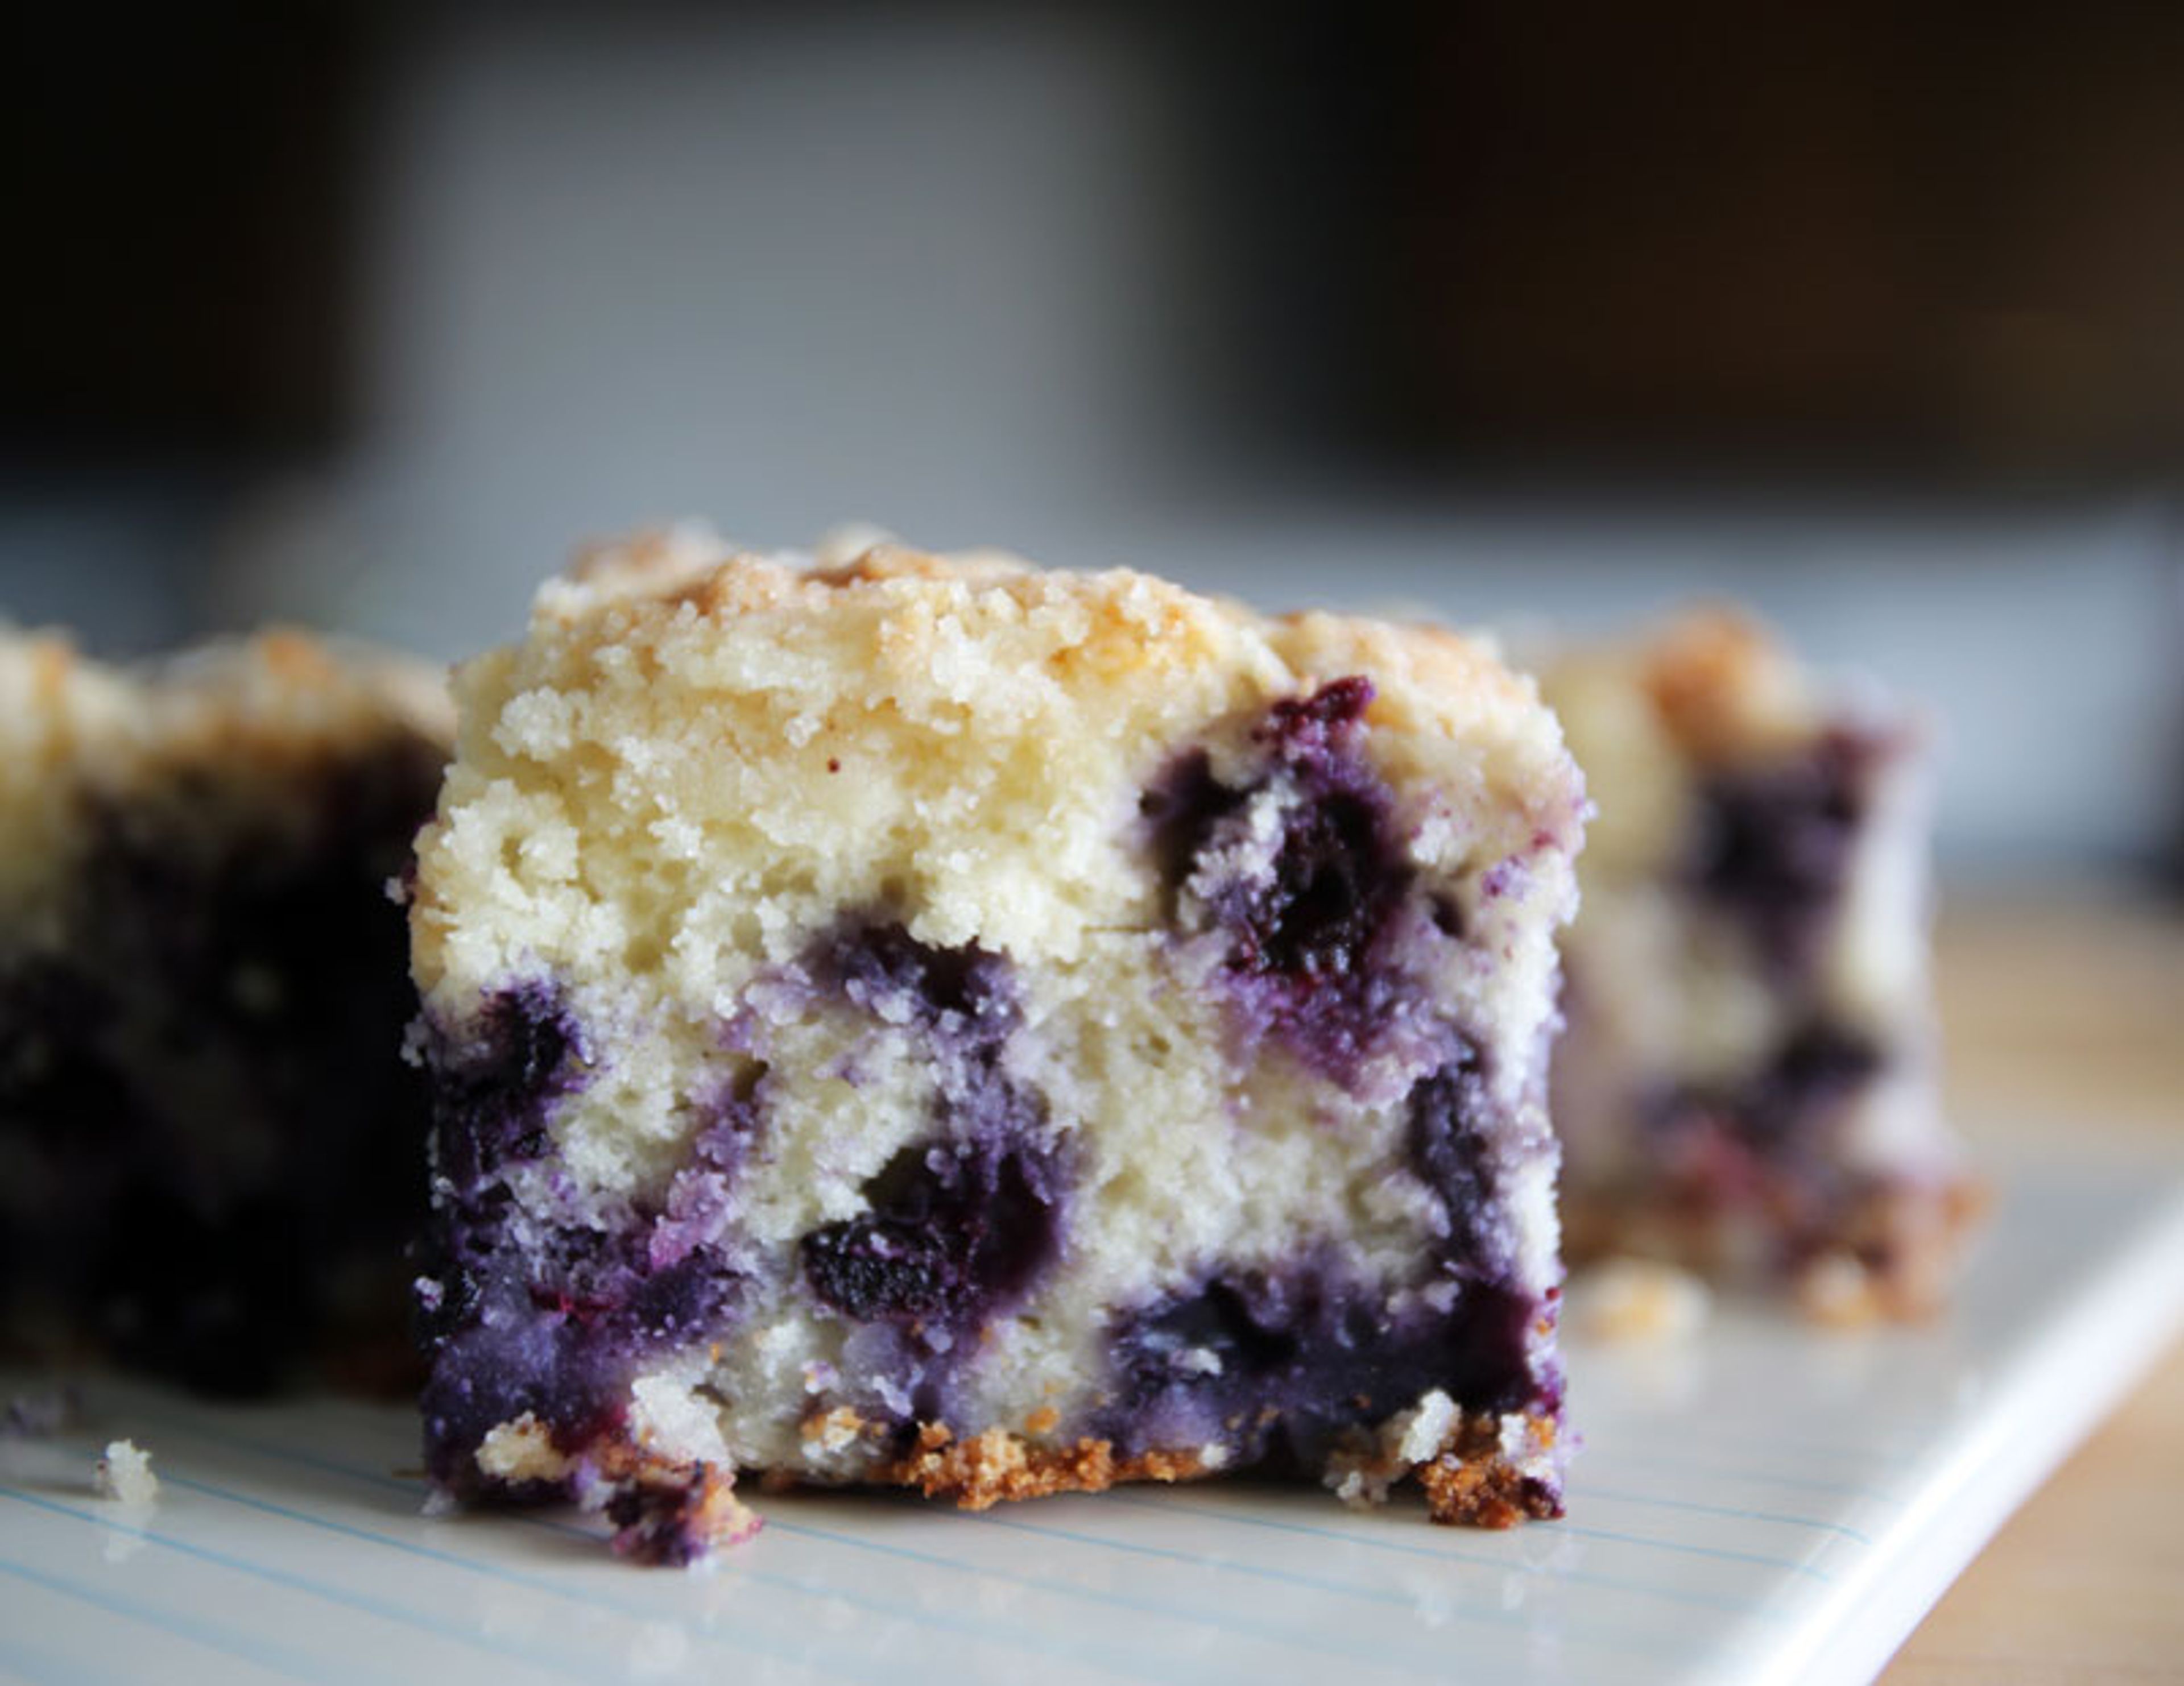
{"x": 1765, "y": 1502}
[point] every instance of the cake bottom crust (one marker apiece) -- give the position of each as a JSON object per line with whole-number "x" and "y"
{"x": 1889, "y": 1254}
{"x": 1473, "y": 1469}
{"x": 1467, "y": 1476}
{"x": 996, "y": 1466}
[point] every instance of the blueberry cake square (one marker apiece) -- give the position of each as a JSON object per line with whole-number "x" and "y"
{"x": 1748, "y": 1082}
{"x": 208, "y": 1138}
{"x": 933, "y": 1022}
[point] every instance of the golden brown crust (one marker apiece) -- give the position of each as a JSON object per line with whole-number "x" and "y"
{"x": 1896, "y": 1258}
{"x": 1469, "y": 1479}
{"x": 1424, "y": 673}
{"x": 997, "y": 1465}
{"x": 1470, "y": 1482}
{"x": 1121, "y": 623}
{"x": 1724, "y": 687}
{"x": 669, "y": 1507}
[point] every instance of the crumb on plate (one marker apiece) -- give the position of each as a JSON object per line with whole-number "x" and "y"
{"x": 125, "y": 1475}
{"x": 1639, "y": 1299}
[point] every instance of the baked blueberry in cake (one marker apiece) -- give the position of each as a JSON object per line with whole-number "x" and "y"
{"x": 933, "y": 1022}
{"x": 1748, "y": 1082}
{"x": 208, "y": 1136}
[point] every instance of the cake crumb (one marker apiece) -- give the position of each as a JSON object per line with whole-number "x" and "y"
{"x": 521, "y": 1451}
{"x": 124, "y": 1475}
{"x": 1639, "y": 1299}
{"x": 833, "y": 1431}
{"x": 1838, "y": 1291}
{"x": 679, "y": 1517}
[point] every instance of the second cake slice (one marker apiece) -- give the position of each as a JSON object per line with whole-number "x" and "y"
{"x": 940, "y": 1023}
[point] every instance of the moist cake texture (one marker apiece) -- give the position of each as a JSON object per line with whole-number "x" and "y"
{"x": 208, "y": 1136}
{"x": 1748, "y": 1082}
{"x": 928, "y": 1021}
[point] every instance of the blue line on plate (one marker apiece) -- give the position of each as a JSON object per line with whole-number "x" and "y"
{"x": 1014, "y": 1638}
{"x": 1662, "y": 1502}
{"x": 1720, "y": 1553}
{"x": 280, "y": 1578}
{"x": 278, "y": 1660}
{"x": 1653, "y": 1459}
{"x": 1581, "y": 1577}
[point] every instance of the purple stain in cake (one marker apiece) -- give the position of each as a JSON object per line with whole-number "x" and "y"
{"x": 666, "y": 1522}
{"x": 1775, "y": 1111}
{"x": 495, "y": 1080}
{"x": 554, "y": 1317}
{"x": 1337, "y": 873}
{"x": 1222, "y": 1329}
{"x": 955, "y": 1229}
{"x": 960, "y": 1225}
{"x": 961, "y": 995}
{"x": 959, "y": 1004}
{"x": 557, "y": 1327}
{"x": 1179, "y": 811}
{"x": 701, "y": 1195}
{"x": 1816, "y": 1067}
{"x": 1773, "y": 844}
{"x": 1765, "y": 1142}
{"x": 1314, "y": 918}
{"x": 1308, "y": 917}
{"x": 1505, "y": 878}
{"x": 1447, "y": 1139}
{"x": 1300, "y": 726}
{"x": 1280, "y": 1365}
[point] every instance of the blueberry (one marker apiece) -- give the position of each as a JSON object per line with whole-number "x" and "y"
{"x": 1306, "y": 932}
{"x": 1332, "y": 890}
{"x": 962, "y": 992}
{"x": 1451, "y": 1111}
{"x": 556, "y": 1326}
{"x": 1774, "y": 1112}
{"x": 495, "y": 1082}
{"x": 1194, "y": 1337}
{"x": 882, "y": 1267}
{"x": 1282, "y": 1362}
{"x": 1772, "y": 844}
{"x": 954, "y": 1229}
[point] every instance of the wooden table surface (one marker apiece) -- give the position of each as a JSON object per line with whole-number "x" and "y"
{"x": 2069, "y": 1013}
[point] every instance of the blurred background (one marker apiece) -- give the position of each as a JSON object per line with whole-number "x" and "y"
{"x": 1871, "y": 315}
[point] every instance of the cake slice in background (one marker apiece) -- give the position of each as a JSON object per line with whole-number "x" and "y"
{"x": 209, "y": 1142}
{"x": 1747, "y": 1083}
{"x": 938, "y": 1023}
